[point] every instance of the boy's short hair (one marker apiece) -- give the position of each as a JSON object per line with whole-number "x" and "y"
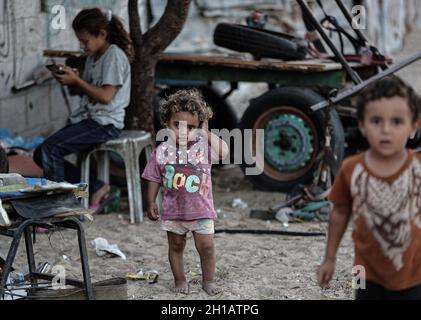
{"x": 389, "y": 87}
{"x": 4, "y": 162}
{"x": 185, "y": 101}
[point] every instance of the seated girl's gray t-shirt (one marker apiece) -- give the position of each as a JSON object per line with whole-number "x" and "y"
{"x": 112, "y": 68}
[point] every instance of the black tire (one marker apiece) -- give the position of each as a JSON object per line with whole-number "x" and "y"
{"x": 260, "y": 42}
{"x": 292, "y": 105}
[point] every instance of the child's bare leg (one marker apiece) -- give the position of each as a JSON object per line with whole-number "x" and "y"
{"x": 176, "y": 244}
{"x": 205, "y": 247}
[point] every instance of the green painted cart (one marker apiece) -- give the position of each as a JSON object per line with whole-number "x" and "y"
{"x": 294, "y": 137}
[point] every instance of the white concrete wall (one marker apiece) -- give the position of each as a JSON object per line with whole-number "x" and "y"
{"x": 25, "y": 31}
{"x": 390, "y": 21}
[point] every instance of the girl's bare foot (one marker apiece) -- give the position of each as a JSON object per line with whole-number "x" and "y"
{"x": 101, "y": 193}
{"x": 181, "y": 287}
{"x": 211, "y": 289}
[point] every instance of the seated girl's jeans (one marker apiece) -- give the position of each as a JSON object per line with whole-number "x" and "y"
{"x": 74, "y": 138}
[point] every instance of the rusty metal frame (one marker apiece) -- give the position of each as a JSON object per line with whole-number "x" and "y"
{"x": 346, "y": 93}
{"x": 25, "y": 229}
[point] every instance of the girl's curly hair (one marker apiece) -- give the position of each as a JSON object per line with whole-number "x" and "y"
{"x": 185, "y": 101}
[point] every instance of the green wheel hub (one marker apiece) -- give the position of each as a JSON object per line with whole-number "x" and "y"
{"x": 288, "y": 143}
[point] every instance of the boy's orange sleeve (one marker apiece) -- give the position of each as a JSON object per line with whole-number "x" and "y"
{"x": 340, "y": 195}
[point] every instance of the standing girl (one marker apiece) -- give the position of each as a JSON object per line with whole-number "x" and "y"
{"x": 105, "y": 86}
{"x": 182, "y": 167}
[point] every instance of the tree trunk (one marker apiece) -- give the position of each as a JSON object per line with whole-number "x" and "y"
{"x": 147, "y": 48}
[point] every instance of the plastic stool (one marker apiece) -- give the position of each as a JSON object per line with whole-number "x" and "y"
{"x": 129, "y": 146}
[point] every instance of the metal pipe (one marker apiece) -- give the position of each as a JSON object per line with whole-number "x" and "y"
{"x": 312, "y": 31}
{"x": 352, "y": 91}
{"x": 352, "y": 74}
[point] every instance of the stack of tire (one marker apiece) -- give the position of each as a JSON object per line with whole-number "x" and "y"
{"x": 261, "y": 43}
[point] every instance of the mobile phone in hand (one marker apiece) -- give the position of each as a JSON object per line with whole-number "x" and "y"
{"x": 56, "y": 69}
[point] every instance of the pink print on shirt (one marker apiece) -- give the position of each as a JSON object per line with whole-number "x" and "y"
{"x": 185, "y": 180}
{"x": 191, "y": 183}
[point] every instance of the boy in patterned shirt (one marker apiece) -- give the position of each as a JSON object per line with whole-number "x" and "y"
{"x": 380, "y": 189}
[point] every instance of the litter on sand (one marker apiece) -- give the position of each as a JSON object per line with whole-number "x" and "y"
{"x": 102, "y": 247}
{"x": 310, "y": 203}
{"x": 239, "y": 204}
{"x": 282, "y": 216}
{"x": 144, "y": 275}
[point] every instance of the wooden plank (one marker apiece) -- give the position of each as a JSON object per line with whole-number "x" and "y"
{"x": 170, "y": 72}
{"x": 241, "y": 62}
{"x": 206, "y": 68}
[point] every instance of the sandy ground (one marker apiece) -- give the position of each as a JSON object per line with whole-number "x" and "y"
{"x": 248, "y": 266}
